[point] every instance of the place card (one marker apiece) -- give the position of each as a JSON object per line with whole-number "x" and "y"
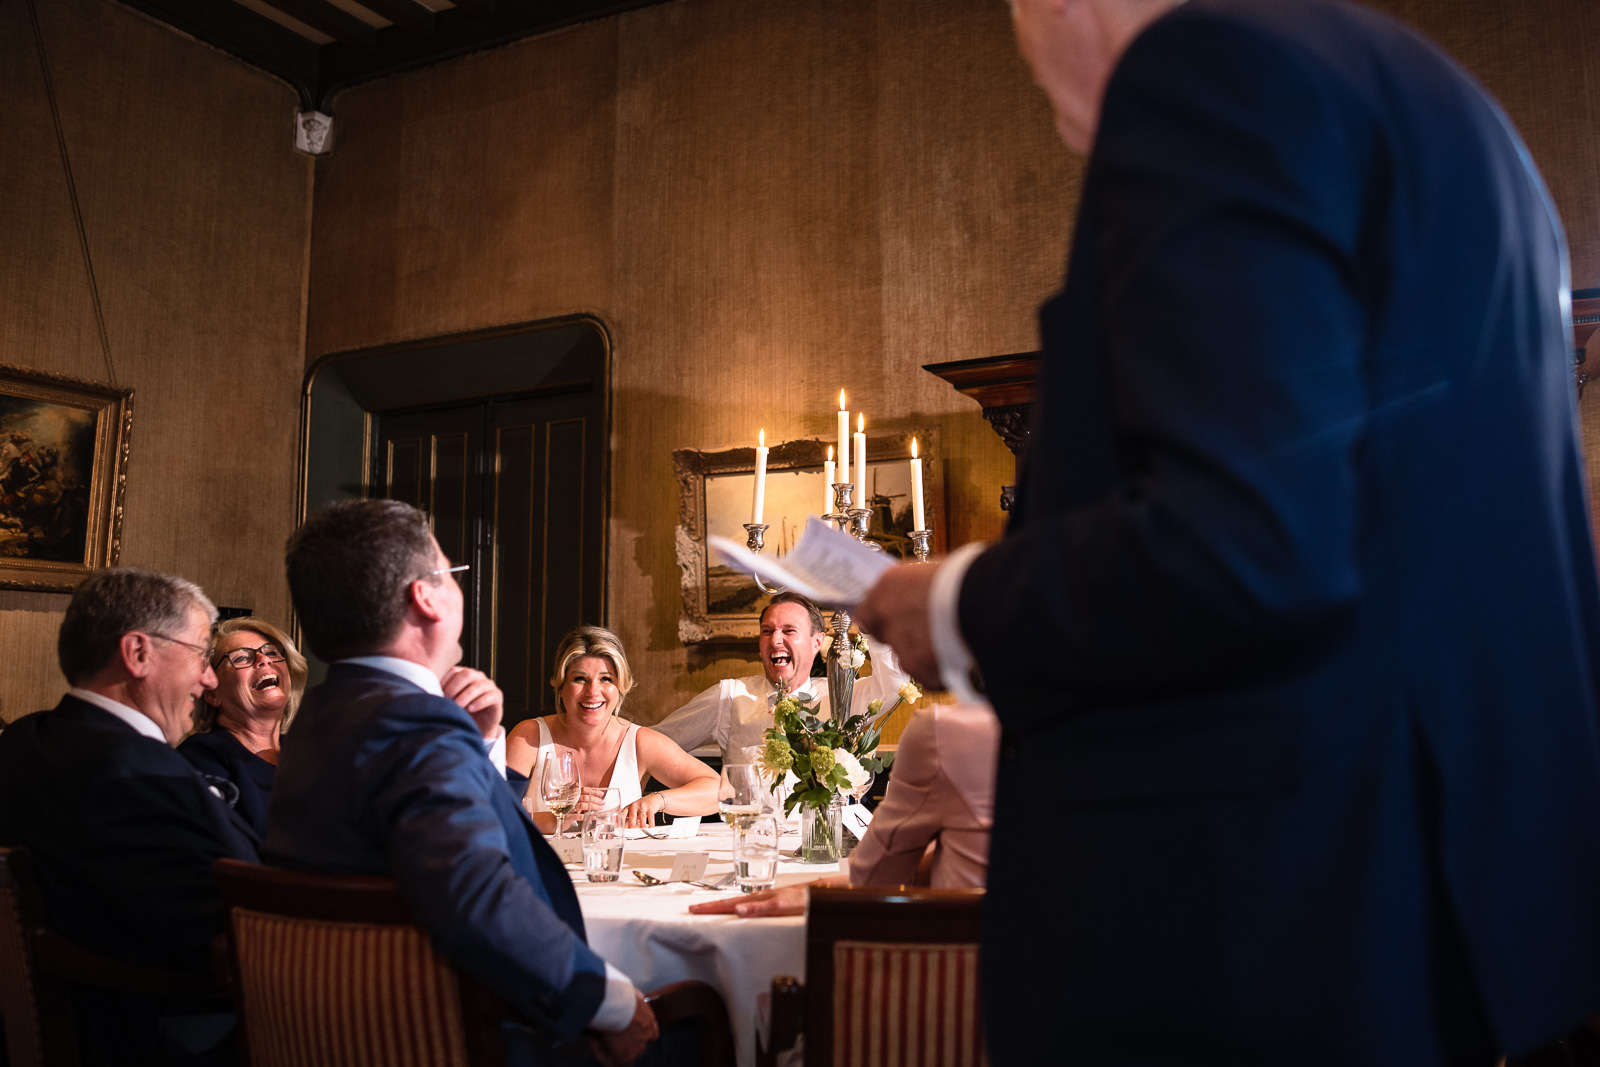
{"x": 856, "y": 818}
{"x": 684, "y": 826}
{"x": 570, "y": 849}
{"x": 688, "y": 867}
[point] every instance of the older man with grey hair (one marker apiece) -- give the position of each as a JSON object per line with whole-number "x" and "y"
{"x": 122, "y": 828}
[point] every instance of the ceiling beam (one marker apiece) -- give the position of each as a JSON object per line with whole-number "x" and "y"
{"x": 407, "y": 14}
{"x": 333, "y": 21}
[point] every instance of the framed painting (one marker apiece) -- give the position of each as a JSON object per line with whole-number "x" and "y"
{"x": 63, "y": 467}
{"x": 716, "y": 496}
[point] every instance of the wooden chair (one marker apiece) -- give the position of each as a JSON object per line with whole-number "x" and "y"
{"x": 891, "y": 979}
{"x": 332, "y": 970}
{"x": 37, "y": 964}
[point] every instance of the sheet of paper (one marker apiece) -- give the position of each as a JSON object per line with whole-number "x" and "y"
{"x": 688, "y": 867}
{"x": 856, "y": 818}
{"x": 570, "y": 849}
{"x": 830, "y": 567}
{"x": 684, "y": 826}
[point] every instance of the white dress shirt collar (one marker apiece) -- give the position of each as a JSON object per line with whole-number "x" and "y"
{"x": 132, "y": 716}
{"x": 415, "y": 673}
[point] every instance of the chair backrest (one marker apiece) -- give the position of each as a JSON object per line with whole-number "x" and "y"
{"x": 29, "y": 1040}
{"x": 331, "y": 970}
{"x": 892, "y": 978}
{"x": 37, "y": 965}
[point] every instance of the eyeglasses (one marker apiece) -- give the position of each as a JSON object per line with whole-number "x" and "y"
{"x": 458, "y": 568}
{"x": 244, "y": 658}
{"x": 203, "y": 650}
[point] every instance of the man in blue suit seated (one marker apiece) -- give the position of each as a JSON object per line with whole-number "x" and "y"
{"x": 122, "y": 829}
{"x": 383, "y": 774}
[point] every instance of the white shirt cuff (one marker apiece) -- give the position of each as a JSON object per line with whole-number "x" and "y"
{"x": 496, "y": 748}
{"x": 956, "y": 665}
{"x": 616, "y": 1010}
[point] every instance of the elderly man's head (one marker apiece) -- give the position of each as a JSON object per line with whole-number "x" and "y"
{"x": 1072, "y": 46}
{"x": 146, "y": 636}
{"x": 791, "y": 637}
{"x": 356, "y": 572}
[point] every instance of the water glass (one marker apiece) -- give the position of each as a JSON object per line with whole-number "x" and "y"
{"x": 755, "y": 852}
{"x": 741, "y": 793}
{"x": 603, "y": 835}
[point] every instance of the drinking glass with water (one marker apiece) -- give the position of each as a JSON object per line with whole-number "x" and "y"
{"x": 755, "y": 852}
{"x": 603, "y": 834}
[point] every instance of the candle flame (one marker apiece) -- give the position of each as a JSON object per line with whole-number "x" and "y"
{"x": 761, "y": 439}
{"x": 861, "y": 423}
{"x": 841, "y": 400}
{"x": 913, "y": 448}
{"x": 830, "y": 453}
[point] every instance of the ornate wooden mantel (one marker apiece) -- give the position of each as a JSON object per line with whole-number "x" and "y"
{"x": 1003, "y": 387}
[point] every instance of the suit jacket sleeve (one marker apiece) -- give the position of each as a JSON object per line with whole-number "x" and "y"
{"x": 432, "y": 801}
{"x": 156, "y": 831}
{"x": 1217, "y": 282}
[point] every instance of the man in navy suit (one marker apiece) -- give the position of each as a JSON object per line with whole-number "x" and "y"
{"x": 385, "y": 774}
{"x": 1294, "y": 632}
{"x": 122, "y": 829}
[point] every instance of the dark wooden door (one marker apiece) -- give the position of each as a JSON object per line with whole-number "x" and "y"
{"x": 514, "y": 486}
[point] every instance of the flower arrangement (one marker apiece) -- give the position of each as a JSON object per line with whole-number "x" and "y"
{"x": 826, "y": 756}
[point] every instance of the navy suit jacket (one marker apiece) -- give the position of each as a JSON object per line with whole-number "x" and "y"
{"x": 123, "y": 832}
{"x": 380, "y": 777}
{"x": 1294, "y": 633}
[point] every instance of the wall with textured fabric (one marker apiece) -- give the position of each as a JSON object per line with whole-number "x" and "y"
{"x": 196, "y": 213}
{"x": 766, "y": 201}
{"x": 763, "y": 200}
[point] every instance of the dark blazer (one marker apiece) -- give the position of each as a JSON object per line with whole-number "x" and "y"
{"x": 218, "y": 754}
{"x": 123, "y": 832}
{"x": 1293, "y": 635}
{"x": 380, "y": 777}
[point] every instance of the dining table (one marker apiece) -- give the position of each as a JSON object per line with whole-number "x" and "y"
{"x": 648, "y": 932}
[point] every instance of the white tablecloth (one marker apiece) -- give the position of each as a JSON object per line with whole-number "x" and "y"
{"x": 647, "y": 931}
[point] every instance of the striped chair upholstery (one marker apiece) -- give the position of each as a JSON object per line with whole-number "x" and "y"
{"x": 357, "y": 994}
{"x": 330, "y": 970}
{"x": 891, "y": 980}
{"x": 906, "y": 1004}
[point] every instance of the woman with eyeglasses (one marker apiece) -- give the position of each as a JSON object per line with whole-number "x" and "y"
{"x": 260, "y": 676}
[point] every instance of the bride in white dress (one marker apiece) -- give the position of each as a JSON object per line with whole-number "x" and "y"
{"x": 590, "y": 681}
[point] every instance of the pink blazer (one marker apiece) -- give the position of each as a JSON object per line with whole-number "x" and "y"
{"x": 941, "y": 790}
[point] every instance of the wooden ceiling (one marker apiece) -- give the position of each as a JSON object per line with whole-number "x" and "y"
{"x": 321, "y": 46}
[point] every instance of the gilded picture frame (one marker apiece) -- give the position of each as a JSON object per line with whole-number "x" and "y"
{"x": 715, "y": 491}
{"x": 63, "y": 471}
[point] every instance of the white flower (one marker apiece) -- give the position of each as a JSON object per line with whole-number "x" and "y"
{"x": 852, "y": 768}
{"x": 855, "y": 658}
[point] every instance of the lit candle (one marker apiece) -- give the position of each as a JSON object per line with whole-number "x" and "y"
{"x": 916, "y": 488}
{"x": 861, "y": 459}
{"x": 827, "y": 483}
{"x": 761, "y": 477}
{"x": 844, "y": 440}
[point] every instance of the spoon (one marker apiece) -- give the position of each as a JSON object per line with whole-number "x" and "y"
{"x": 647, "y": 878}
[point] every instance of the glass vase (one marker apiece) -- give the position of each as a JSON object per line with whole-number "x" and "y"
{"x": 819, "y": 832}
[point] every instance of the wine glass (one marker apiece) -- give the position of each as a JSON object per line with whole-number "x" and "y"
{"x": 866, "y": 784}
{"x": 560, "y": 784}
{"x": 740, "y": 793}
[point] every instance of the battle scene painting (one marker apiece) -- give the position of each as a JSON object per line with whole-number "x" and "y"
{"x": 63, "y": 455}
{"x": 46, "y": 463}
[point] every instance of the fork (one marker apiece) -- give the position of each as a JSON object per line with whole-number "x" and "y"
{"x": 720, "y": 883}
